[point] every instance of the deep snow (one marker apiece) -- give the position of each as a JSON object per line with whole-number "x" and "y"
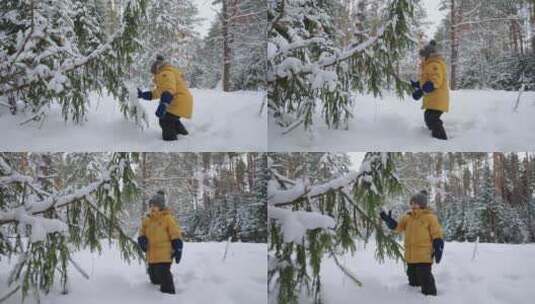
{"x": 500, "y": 274}
{"x": 478, "y": 121}
{"x": 221, "y": 122}
{"x": 201, "y": 278}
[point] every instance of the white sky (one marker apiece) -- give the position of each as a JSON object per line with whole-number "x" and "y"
{"x": 207, "y": 11}
{"x": 434, "y": 16}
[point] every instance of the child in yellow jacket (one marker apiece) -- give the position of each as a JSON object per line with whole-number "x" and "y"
{"x": 176, "y": 101}
{"x": 433, "y": 86}
{"x": 422, "y": 241}
{"x": 161, "y": 238}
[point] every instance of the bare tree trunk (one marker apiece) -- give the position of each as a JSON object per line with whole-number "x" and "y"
{"x": 144, "y": 177}
{"x": 498, "y": 170}
{"x": 226, "y": 46}
{"x": 454, "y": 45}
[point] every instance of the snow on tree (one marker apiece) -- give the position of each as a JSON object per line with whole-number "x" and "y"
{"x": 311, "y": 66}
{"x": 42, "y": 225}
{"x": 475, "y": 197}
{"x": 308, "y": 220}
{"x": 169, "y": 31}
{"x": 57, "y": 51}
{"x": 486, "y": 43}
{"x": 232, "y": 55}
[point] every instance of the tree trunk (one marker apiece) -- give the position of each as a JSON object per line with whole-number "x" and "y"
{"x": 144, "y": 177}
{"x": 226, "y": 46}
{"x": 454, "y": 45}
{"x": 498, "y": 170}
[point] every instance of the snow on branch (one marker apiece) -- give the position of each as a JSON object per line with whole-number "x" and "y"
{"x": 56, "y": 78}
{"x": 293, "y": 65}
{"x": 53, "y": 201}
{"x": 302, "y": 188}
{"x": 12, "y": 176}
{"x": 40, "y": 226}
{"x": 295, "y": 224}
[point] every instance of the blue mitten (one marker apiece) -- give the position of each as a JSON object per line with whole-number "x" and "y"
{"x": 144, "y": 95}
{"x": 143, "y": 242}
{"x": 390, "y": 222}
{"x": 177, "y": 246}
{"x": 438, "y": 249}
{"x": 415, "y": 84}
{"x": 165, "y": 100}
{"x": 428, "y": 87}
{"x": 417, "y": 94}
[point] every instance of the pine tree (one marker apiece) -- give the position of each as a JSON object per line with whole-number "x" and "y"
{"x": 44, "y": 225}
{"x": 56, "y": 51}
{"x": 309, "y": 68}
{"x": 338, "y": 212}
{"x": 169, "y": 31}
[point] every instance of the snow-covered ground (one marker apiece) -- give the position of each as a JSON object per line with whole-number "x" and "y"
{"x": 477, "y": 121}
{"x": 221, "y": 122}
{"x": 202, "y": 277}
{"x": 500, "y": 274}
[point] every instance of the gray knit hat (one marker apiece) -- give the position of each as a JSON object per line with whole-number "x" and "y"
{"x": 429, "y": 49}
{"x": 158, "y": 199}
{"x": 420, "y": 199}
{"x": 157, "y": 64}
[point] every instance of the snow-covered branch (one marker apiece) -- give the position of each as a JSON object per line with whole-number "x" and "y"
{"x": 53, "y": 201}
{"x": 302, "y": 189}
{"x": 292, "y": 65}
{"x": 294, "y": 224}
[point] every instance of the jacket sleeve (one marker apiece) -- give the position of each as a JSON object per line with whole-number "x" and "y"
{"x": 165, "y": 81}
{"x": 402, "y": 224}
{"x": 434, "y": 228}
{"x": 143, "y": 228}
{"x": 435, "y": 73}
{"x": 173, "y": 229}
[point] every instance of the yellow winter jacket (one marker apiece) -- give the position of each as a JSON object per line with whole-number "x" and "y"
{"x": 421, "y": 227}
{"x": 170, "y": 79}
{"x": 160, "y": 228}
{"x": 434, "y": 69}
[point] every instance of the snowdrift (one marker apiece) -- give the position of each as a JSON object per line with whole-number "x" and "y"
{"x": 222, "y": 121}
{"x": 478, "y": 121}
{"x": 499, "y": 274}
{"x": 202, "y": 277}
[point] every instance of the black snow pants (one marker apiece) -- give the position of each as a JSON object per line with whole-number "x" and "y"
{"x": 420, "y": 275}
{"x": 434, "y": 123}
{"x": 160, "y": 274}
{"x": 171, "y": 127}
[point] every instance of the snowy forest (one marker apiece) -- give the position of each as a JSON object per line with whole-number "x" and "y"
{"x": 323, "y": 213}
{"x": 342, "y": 69}
{"x": 322, "y": 52}
{"x": 55, "y": 206}
{"x": 488, "y": 197}
{"x": 489, "y": 44}
{"x": 61, "y": 59}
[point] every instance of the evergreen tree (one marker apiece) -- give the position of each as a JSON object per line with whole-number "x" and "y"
{"x": 310, "y": 66}
{"x": 334, "y": 213}
{"x": 169, "y": 31}
{"x": 43, "y": 225}
{"x": 57, "y": 51}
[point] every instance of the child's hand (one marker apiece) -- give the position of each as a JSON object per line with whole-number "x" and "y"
{"x": 428, "y": 87}
{"x": 143, "y": 242}
{"x": 438, "y": 249}
{"x": 177, "y": 246}
{"x": 390, "y": 222}
{"x": 417, "y": 94}
{"x": 144, "y": 95}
